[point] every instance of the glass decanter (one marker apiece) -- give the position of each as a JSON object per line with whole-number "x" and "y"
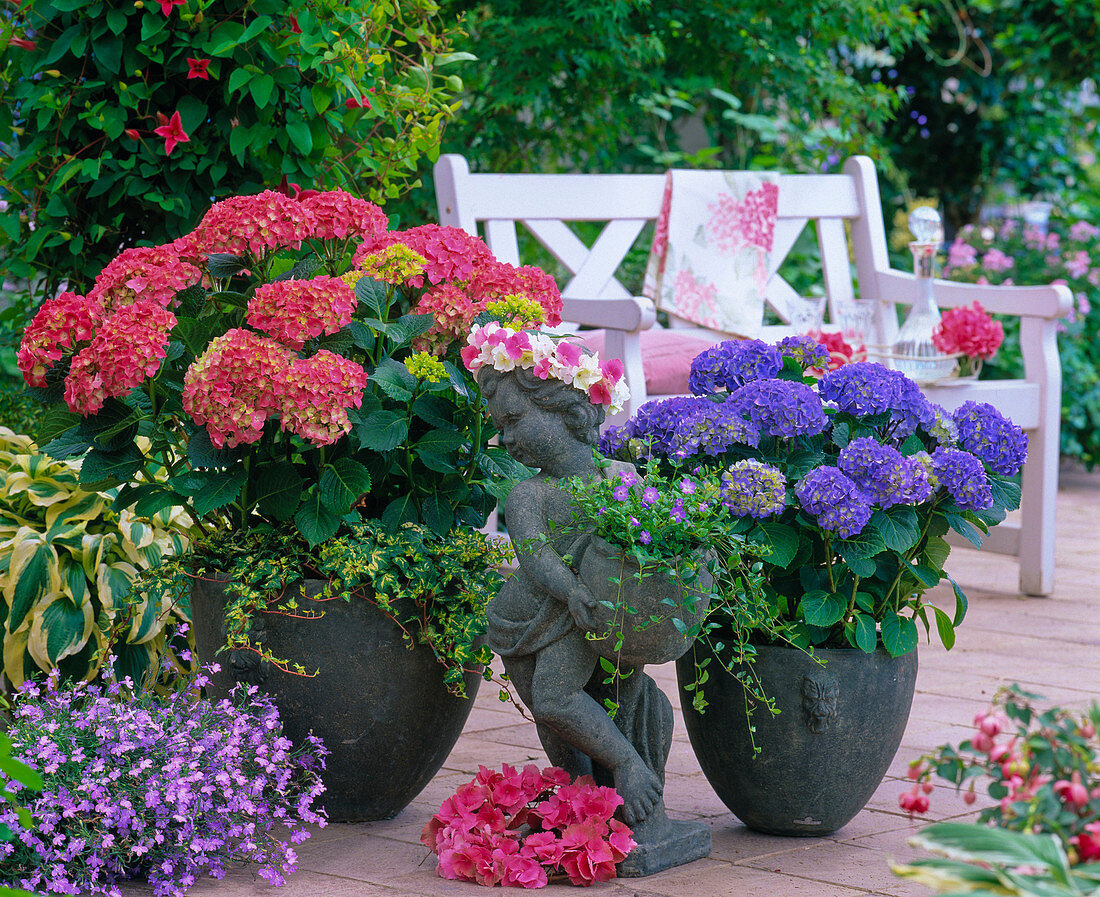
{"x": 913, "y": 351}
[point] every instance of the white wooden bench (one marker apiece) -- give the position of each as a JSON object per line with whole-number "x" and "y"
{"x": 545, "y": 204}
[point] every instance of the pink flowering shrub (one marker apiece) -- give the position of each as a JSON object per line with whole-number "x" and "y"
{"x": 264, "y": 356}
{"x": 970, "y": 331}
{"x": 1040, "y": 767}
{"x": 522, "y": 828}
{"x": 1010, "y": 252}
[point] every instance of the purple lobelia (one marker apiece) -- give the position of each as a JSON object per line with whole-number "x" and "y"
{"x": 168, "y": 788}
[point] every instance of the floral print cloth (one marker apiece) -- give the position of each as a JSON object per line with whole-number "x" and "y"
{"x": 709, "y": 261}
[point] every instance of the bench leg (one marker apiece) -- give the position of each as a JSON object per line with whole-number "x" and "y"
{"x": 1039, "y": 480}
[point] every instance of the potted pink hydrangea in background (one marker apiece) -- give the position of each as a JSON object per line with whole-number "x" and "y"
{"x": 289, "y": 373}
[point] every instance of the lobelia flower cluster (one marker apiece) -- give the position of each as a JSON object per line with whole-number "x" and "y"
{"x": 1040, "y": 767}
{"x": 522, "y": 828}
{"x": 280, "y": 354}
{"x": 846, "y": 482}
{"x": 167, "y": 788}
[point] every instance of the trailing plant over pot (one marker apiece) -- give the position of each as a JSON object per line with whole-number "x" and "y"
{"x": 67, "y": 568}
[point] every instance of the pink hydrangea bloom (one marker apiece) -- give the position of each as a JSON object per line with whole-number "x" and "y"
{"x": 249, "y": 224}
{"x": 232, "y": 386}
{"x": 316, "y": 393}
{"x": 496, "y": 280}
{"x": 127, "y": 348}
{"x": 60, "y": 323}
{"x": 995, "y": 260}
{"x": 293, "y": 311}
{"x": 1082, "y": 231}
{"x": 335, "y": 214}
{"x": 961, "y": 255}
{"x": 970, "y": 331}
{"x": 144, "y": 272}
{"x": 449, "y": 252}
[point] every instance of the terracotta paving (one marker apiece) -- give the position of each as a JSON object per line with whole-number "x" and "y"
{"x": 1051, "y": 646}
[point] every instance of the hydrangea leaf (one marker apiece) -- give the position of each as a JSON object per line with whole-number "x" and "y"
{"x": 779, "y": 538}
{"x": 899, "y": 527}
{"x": 899, "y": 634}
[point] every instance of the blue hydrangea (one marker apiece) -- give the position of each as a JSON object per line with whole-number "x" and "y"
{"x": 781, "y": 407}
{"x": 732, "y": 364}
{"x": 866, "y": 388}
{"x": 807, "y": 351}
{"x": 833, "y": 498}
{"x": 711, "y": 431}
{"x": 655, "y": 423}
{"x": 886, "y": 475}
{"x": 964, "y": 478}
{"x": 612, "y": 441}
{"x": 987, "y": 433}
{"x": 943, "y": 428}
{"x": 754, "y": 489}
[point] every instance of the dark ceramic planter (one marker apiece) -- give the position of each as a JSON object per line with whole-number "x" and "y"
{"x": 826, "y": 752}
{"x": 380, "y": 708}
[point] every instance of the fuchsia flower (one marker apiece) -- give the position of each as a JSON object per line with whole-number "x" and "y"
{"x": 1073, "y": 792}
{"x": 22, "y": 43}
{"x": 968, "y": 331}
{"x": 198, "y": 68}
{"x": 518, "y": 828}
{"x": 166, "y": 5}
{"x": 172, "y": 130}
{"x": 293, "y": 311}
{"x": 1088, "y": 843}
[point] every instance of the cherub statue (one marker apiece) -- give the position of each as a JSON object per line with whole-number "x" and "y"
{"x": 540, "y": 620}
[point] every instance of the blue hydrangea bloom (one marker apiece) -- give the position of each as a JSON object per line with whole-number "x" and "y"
{"x": 754, "y": 489}
{"x": 886, "y": 475}
{"x": 987, "y": 433}
{"x": 732, "y": 364}
{"x": 780, "y": 407}
{"x": 964, "y": 477}
{"x": 656, "y": 422}
{"x": 807, "y": 351}
{"x": 867, "y": 388}
{"x": 711, "y": 431}
{"x": 834, "y": 499}
{"x": 612, "y": 441}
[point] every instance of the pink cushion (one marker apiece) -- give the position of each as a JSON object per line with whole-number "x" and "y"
{"x": 666, "y": 357}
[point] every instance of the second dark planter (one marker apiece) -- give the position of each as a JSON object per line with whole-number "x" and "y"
{"x": 826, "y": 752}
{"x": 380, "y": 708}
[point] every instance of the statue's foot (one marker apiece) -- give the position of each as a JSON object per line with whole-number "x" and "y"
{"x": 639, "y": 788}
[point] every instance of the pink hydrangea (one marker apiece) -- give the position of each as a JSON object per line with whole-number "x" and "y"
{"x": 449, "y": 252}
{"x": 316, "y": 393}
{"x": 995, "y": 260}
{"x": 232, "y": 387}
{"x": 144, "y": 272}
{"x": 127, "y": 348}
{"x": 293, "y": 311}
{"x": 961, "y": 255}
{"x": 249, "y": 224}
{"x": 454, "y": 313}
{"x": 496, "y": 280}
{"x": 60, "y": 324}
{"x": 969, "y": 331}
{"x": 335, "y": 214}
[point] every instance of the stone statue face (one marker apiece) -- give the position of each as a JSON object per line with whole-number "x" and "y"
{"x": 530, "y": 434}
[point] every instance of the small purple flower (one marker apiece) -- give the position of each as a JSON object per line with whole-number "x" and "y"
{"x": 627, "y": 478}
{"x": 650, "y": 496}
{"x": 832, "y": 497}
{"x": 732, "y": 364}
{"x": 678, "y": 511}
{"x": 687, "y": 486}
{"x": 780, "y": 407}
{"x": 634, "y": 521}
{"x": 644, "y": 537}
{"x": 964, "y": 478}
{"x": 987, "y": 433}
{"x": 621, "y": 493}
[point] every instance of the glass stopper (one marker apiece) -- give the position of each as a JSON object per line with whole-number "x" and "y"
{"x": 925, "y": 225}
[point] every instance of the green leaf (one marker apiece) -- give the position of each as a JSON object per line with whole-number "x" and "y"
{"x": 299, "y": 134}
{"x": 371, "y": 293}
{"x": 222, "y": 488}
{"x": 436, "y": 411}
{"x": 822, "y": 609}
{"x": 408, "y": 327}
{"x": 973, "y": 841}
{"x": 862, "y": 545}
{"x": 255, "y": 27}
{"x": 400, "y": 510}
{"x": 382, "y": 431}
{"x": 315, "y": 521}
{"x": 1006, "y": 493}
{"x": 33, "y": 581}
{"x": 63, "y": 626}
{"x": 899, "y": 634}
{"x": 238, "y": 79}
{"x": 866, "y": 633}
{"x": 278, "y": 490}
{"x": 779, "y": 537}
{"x": 99, "y": 466}
{"x": 926, "y": 575}
{"x": 945, "y": 627}
{"x": 261, "y": 87}
{"x": 440, "y": 441}
{"x": 961, "y": 604}
{"x": 899, "y": 527}
{"x": 71, "y": 444}
{"x": 224, "y": 264}
{"x": 438, "y": 514}
{"x": 156, "y": 500}
{"x": 201, "y": 452}
{"x": 394, "y": 380}
{"x": 964, "y": 528}
{"x": 342, "y": 482}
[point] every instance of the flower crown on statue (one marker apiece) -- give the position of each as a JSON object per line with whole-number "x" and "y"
{"x": 505, "y": 349}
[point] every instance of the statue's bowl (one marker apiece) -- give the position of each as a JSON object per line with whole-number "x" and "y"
{"x": 643, "y": 605}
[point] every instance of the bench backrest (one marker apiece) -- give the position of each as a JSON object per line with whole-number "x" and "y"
{"x": 545, "y": 203}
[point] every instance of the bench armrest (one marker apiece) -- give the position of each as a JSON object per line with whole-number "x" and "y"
{"x": 630, "y": 314}
{"x": 1052, "y": 301}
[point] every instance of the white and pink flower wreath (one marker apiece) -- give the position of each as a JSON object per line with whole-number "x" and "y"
{"x": 505, "y": 349}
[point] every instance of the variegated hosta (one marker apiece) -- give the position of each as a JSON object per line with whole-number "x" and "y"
{"x": 67, "y": 561}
